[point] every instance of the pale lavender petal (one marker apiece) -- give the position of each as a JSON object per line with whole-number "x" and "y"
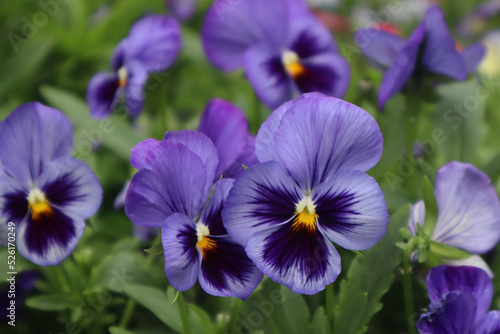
{"x": 417, "y": 216}
{"x": 134, "y": 90}
{"x": 380, "y": 47}
{"x": 472, "y": 261}
{"x": 138, "y": 153}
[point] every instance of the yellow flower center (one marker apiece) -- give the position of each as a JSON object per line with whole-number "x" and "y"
{"x": 205, "y": 243}
{"x": 38, "y": 204}
{"x": 306, "y": 217}
{"x": 291, "y": 62}
{"x": 122, "y": 76}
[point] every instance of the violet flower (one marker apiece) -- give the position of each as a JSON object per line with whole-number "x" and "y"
{"x": 282, "y": 46}
{"x": 460, "y": 299}
{"x": 151, "y": 46}
{"x": 170, "y": 191}
{"x": 309, "y": 188}
{"x": 429, "y": 50}
{"x": 475, "y": 22}
{"x": 45, "y": 192}
{"x": 182, "y": 9}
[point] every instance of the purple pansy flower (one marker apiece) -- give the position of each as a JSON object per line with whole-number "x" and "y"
{"x": 182, "y": 9}
{"x": 170, "y": 191}
{"x": 430, "y": 49}
{"x": 460, "y": 300}
{"x": 468, "y": 210}
{"x": 282, "y": 46}
{"x": 45, "y": 192}
{"x": 151, "y": 46}
{"x": 309, "y": 188}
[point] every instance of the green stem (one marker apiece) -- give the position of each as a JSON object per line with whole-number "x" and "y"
{"x": 408, "y": 292}
{"x": 256, "y": 116}
{"x": 129, "y": 309}
{"x": 233, "y": 325}
{"x": 330, "y": 304}
{"x": 186, "y": 326}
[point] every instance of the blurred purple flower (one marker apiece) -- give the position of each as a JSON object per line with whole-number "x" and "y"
{"x": 182, "y": 9}
{"x": 170, "y": 191}
{"x": 475, "y": 22}
{"x": 45, "y": 192}
{"x": 460, "y": 299}
{"x": 430, "y": 49}
{"x": 151, "y": 46}
{"x": 282, "y": 46}
{"x": 309, "y": 188}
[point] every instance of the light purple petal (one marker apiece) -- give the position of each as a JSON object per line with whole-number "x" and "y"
{"x": 473, "y": 55}
{"x": 231, "y": 27}
{"x": 134, "y": 90}
{"x": 247, "y": 158}
{"x": 440, "y": 55}
{"x": 469, "y": 209}
{"x": 138, "y": 153}
{"x": 226, "y": 271}
{"x": 262, "y": 197}
{"x": 489, "y": 324}
{"x": 227, "y": 127}
{"x": 154, "y": 41}
{"x": 175, "y": 183}
{"x": 182, "y": 260}
{"x": 212, "y": 214}
{"x": 182, "y": 9}
{"x": 102, "y": 94}
{"x": 351, "y": 210}
{"x": 319, "y": 136}
{"x": 473, "y": 280}
{"x": 118, "y": 57}
{"x": 304, "y": 261}
{"x": 31, "y": 136}
{"x": 417, "y": 216}
{"x": 380, "y": 47}
{"x": 119, "y": 202}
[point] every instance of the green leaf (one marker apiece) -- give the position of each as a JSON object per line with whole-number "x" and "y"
{"x": 431, "y": 209}
{"x": 448, "y": 252}
{"x": 155, "y": 250}
{"x": 50, "y": 302}
{"x": 74, "y": 107}
{"x": 118, "y": 330}
{"x": 200, "y": 321}
{"x": 296, "y": 311}
{"x": 157, "y": 302}
{"x": 319, "y": 323}
{"x": 369, "y": 278}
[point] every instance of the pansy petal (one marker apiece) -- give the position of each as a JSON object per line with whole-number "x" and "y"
{"x": 469, "y": 208}
{"x": 454, "y": 314}
{"x": 380, "y": 47}
{"x": 402, "y": 68}
{"x": 118, "y": 57}
{"x": 154, "y": 41}
{"x": 102, "y": 94}
{"x": 138, "y": 153}
{"x": 264, "y": 69}
{"x": 319, "y": 136}
{"x": 473, "y": 280}
{"x": 175, "y": 183}
{"x": 31, "y": 136}
{"x": 226, "y": 270}
{"x": 200, "y": 145}
{"x": 212, "y": 214}
{"x": 13, "y": 202}
{"x": 49, "y": 238}
{"x": 417, "y": 216}
{"x": 134, "y": 97}
{"x": 301, "y": 259}
{"x": 326, "y": 73}
{"x": 264, "y": 143}
{"x": 440, "y": 55}
{"x": 263, "y": 197}
{"x": 230, "y": 28}
{"x": 489, "y": 324}
{"x": 246, "y": 158}
{"x": 227, "y": 127}
{"x": 473, "y": 55}
{"x": 351, "y": 210}
{"x": 182, "y": 261}
{"x": 69, "y": 184}
{"x": 471, "y": 261}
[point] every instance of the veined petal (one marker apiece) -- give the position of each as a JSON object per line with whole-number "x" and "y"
{"x": 469, "y": 208}
{"x": 229, "y": 29}
{"x": 246, "y": 158}
{"x": 301, "y": 259}
{"x": 49, "y": 238}
{"x": 138, "y": 153}
{"x": 182, "y": 261}
{"x": 154, "y": 41}
{"x": 319, "y": 136}
{"x": 380, "y": 47}
{"x": 262, "y": 197}
{"x": 31, "y": 136}
{"x": 265, "y": 71}
{"x": 200, "y": 145}
{"x": 102, "y": 94}
{"x": 264, "y": 143}
{"x": 212, "y": 214}
{"x": 489, "y": 323}
{"x": 454, "y": 314}
{"x": 471, "y": 261}
{"x": 351, "y": 210}
{"x": 226, "y": 270}
{"x": 134, "y": 97}
{"x": 227, "y": 127}
{"x": 417, "y": 216}
{"x": 473, "y": 280}
{"x": 175, "y": 183}
{"x": 13, "y": 201}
